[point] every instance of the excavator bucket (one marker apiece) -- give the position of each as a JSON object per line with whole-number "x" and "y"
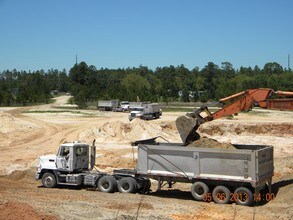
{"x": 188, "y": 124}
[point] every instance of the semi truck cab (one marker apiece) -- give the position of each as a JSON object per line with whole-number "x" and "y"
{"x": 73, "y": 158}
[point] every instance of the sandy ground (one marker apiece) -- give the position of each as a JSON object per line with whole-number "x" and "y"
{"x": 28, "y": 132}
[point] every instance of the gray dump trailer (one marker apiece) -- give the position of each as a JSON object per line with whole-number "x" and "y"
{"x": 110, "y": 105}
{"x": 222, "y": 175}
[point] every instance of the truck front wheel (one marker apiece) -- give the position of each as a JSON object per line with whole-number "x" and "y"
{"x": 49, "y": 180}
{"x": 107, "y": 184}
{"x": 199, "y": 190}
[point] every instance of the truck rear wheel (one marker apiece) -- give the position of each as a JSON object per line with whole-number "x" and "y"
{"x": 49, "y": 180}
{"x": 127, "y": 185}
{"x": 199, "y": 190}
{"x": 107, "y": 184}
{"x": 243, "y": 196}
{"x": 221, "y": 195}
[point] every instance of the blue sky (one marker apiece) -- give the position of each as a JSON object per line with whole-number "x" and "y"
{"x": 155, "y": 33}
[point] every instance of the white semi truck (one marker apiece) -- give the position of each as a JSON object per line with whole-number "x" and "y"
{"x": 146, "y": 112}
{"x": 222, "y": 175}
{"x": 124, "y": 106}
{"x": 73, "y": 165}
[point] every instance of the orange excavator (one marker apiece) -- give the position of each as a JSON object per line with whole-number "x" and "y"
{"x": 243, "y": 101}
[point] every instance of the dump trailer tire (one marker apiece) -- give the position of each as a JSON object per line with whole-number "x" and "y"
{"x": 107, "y": 184}
{"x": 221, "y": 195}
{"x": 243, "y": 196}
{"x": 49, "y": 180}
{"x": 127, "y": 185}
{"x": 199, "y": 190}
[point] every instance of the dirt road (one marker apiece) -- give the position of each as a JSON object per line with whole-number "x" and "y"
{"x": 29, "y": 132}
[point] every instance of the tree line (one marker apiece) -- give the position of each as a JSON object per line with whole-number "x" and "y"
{"x": 24, "y": 88}
{"x": 164, "y": 84}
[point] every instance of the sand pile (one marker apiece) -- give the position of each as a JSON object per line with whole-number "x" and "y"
{"x": 137, "y": 129}
{"x": 14, "y": 131}
{"x": 21, "y": 174}
{"x": 11, "y": 124}
{"x": 112, "y": 160}
{"x": 210, "y": 143}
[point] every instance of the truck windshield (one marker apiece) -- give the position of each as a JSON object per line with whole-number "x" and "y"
{"x": 64, "y": 151}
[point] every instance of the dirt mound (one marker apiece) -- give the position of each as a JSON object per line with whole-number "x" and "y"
{"x": 210, "y": 143}
{"x": 13, "y": 124}
{"x": 14, "y": 130}
{"x": 21, "y": 174}
{"x": 16, "y": 210}
{"x": 167, "y": 126}
{"x": 282, "y": 129}
{"x": 117, "y": 159}
{"x": 114, "y": 162}
{"x": 137, "y": 129}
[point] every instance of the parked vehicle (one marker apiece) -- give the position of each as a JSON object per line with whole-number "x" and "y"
{"x": 110, "y": 105}
{"x": 146, "y": 112}
{"x": 124, "y": 106}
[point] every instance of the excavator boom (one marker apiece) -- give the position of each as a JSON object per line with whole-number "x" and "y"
{"x": 242, "y": 101}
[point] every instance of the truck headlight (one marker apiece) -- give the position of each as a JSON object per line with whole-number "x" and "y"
{"x": 39, "y": 168}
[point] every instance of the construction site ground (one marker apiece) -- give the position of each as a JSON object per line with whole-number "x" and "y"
{"x": 29, "y": 132}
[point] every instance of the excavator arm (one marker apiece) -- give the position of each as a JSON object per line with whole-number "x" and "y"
{"x": 243, "y": 101}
